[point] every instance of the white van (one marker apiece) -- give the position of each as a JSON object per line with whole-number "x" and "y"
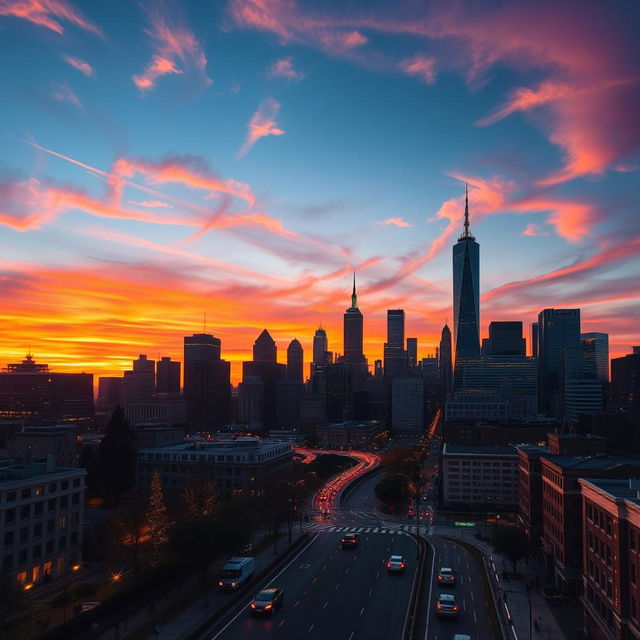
{"x": 236, "y": 572}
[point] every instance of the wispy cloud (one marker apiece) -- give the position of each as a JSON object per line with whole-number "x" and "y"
{"x": 424, "y": 67}
{"x": 48, "y": 13}
{"x": 174, "y": 43}
{"x": 262, "y": 124}
{"x": 533, "y": 229}
{"x": 398, "y": 222}
{"x": 62, "y": 93}
{"x": 283, "y": 68}
{"x": 80, "y": 65}
{"x": 151, "y": 204}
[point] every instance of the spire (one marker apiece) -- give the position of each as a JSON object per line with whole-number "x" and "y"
{"x": 354, "y": 295}
{"x": 466, "y": 234}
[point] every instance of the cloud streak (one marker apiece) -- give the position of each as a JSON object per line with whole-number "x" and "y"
{"x": 262, "y": 124}
{"x": 284, "y": 68}
{"x": 49, "y": 14}
{"x": 80, "y": 65}
{"x": 398, "y": 222}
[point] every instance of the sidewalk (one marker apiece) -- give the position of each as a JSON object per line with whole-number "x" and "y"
{"x": 518, "y": 597}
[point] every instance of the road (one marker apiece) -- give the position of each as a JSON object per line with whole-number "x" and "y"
{"x": 335, "y": 593}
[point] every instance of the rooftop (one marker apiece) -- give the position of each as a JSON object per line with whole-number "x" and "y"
{"x": 617, "y": 489}
{"x": 484, "y": 450}
{"x": 593, "y": 462}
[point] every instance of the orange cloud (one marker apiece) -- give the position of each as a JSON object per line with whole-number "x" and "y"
{"x": 398, "y": 222}
{"x": 152, "y": 204}
{"x": 283, "y": 68}
{"x": 262, "y": 124}
{"x": 47, "y": 13}
{"x": 173, "y": 42}
{"x": 421, "y": 66}
{"x": 80, "y": 65}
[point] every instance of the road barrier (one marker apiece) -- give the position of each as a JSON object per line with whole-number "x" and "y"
{"x": 412, "y": 624}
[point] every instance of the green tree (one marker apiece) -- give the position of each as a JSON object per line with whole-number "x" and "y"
{"x": 158, "y": 520}
{"x": 392, "y": 490}
{"x": 116, "y": 457}
{"x": 511, "y": 543}
{"x": 195, "y": 541}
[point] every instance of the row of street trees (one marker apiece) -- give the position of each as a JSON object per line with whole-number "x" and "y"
{"x": 401, "y": 482}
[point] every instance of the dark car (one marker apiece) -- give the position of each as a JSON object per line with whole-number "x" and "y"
{"x": 267, "y": 601}
{"x": 349, "y": 540}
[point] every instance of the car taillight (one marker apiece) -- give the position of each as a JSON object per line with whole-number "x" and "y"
{"x": 253, "y": 605}
{"x": 402, "y": 565}
{"x": 234, "y": 584}
{"x": 268, "y": 606}
{"x": 438, "y": 606}
{"x": 220, "y": 584}
{"x": 389, "y": 564}
{"x": 455, "y": 607}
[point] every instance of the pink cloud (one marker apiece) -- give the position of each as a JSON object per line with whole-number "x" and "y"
{"x": 262, "y": 124}
{"x": 173, "y": 42}
{"x": 283, "y": 68}
{"x": 342, "y": 41}
{"x": 151, "y": 204}
{"x": 421, "y": 66}
{"x": 62, "y": 93}
{"x": 398, "y": 222}
{"x": 533, "y": 229}
{"x": 80, "y": 65}
{"x": 47, "y": 13}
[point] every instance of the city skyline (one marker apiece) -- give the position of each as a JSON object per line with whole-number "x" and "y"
{"x": 147, "y": 179}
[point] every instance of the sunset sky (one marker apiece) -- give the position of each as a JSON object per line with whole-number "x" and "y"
{"x": 160, "y": 160}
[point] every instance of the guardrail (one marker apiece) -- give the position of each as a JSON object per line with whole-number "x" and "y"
{"x": 412, "y": 619}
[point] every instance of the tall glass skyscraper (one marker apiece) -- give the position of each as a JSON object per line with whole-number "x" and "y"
{"x": 466, "y": 293}
{"x": 353, "y": 340}
{"x": 395, "y": 355}
{"x": 595, "y": 355}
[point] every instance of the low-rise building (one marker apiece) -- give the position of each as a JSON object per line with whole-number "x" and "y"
{"x": 236, "y": 466}
{"x": 479, "y": 478}
{"x": 530, "y": 491}
{"x": 611, "y": 558}
{"x": 477, "y": 405}
{"x": 349, "y": 434}
{"x": 41, "y": 516}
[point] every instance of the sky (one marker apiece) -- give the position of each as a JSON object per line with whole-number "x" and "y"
{"x": 162, "y": 162}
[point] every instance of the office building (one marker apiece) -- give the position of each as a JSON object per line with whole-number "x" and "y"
{"x": 236, "y": 466}
{"x": 39, "y": 442}
{"x": 109, "y": 393}
{"x": 479, "y": 478}
{"x": 582, "y": 395}
{"x": 207, "y": 382}
{"x": 264, "y": 348}
{"x": 611, "y": 558}
{"x": 407, "y": 404}
{"x": 31, "y": 392}
{"x": 41, "y": 516}
{"x": 353, "y": 341}
{"x": 350, "y": 434}
{"x": 559, "y": 356}
{"x": 338, "y": 392}
{"x": 295, "y": 360}
{"x": 167, "y": 376}
{"x": 412, "y": 351}
{"x": 161, "y": 409}
{"x": 466, "y": 295}
{"x": 534, "y": 339}
{"x": 140, "y": 382}
{"x": 595, "y": 355}
{"x": 625, "y": 383}
{"x": 321, "y": 355}
{"x": 505, "y": 339}
{"x": 289, "y": 394}
{"x": 395, "y": 356}
{"x": 445, "y": 366}
{"x": 431, "y": 390}
{"x": 471, "y": 406}
{"x": 251, "y": 402}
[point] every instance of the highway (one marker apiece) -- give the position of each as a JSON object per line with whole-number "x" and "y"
{"x": 334, "y": 593}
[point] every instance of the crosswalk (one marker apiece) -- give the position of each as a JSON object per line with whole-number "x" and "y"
{"x": 321, "y": 527}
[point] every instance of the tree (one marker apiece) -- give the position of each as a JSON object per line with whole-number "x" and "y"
{"x": 158, "y": 520}
{"x": 392, "y": 489}
{"x": 12, "y": 599}
{"x": 116, "y": 456}
{"x": 200, "y": 497}
{"x": 131, "y": 531}
{"x": 511, "y": 543}
{"x": 195, "y": 541}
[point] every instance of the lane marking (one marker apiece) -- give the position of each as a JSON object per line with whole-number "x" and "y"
{"x": 296, "y": 604}
{"x": 336, "y": 587}
{"x": 362, "y": 611}
{"x": 371, "y": 592}
{"x": 310, "y": 629}
{"x": 281, "y": 622}
{"x": 246, "y": 606}
{"x": 324, "y": 606}
{"x": 351, "y": 636}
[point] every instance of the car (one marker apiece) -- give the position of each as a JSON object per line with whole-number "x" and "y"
{"x": 350, "y": 540}
{"x": 395, "y": 564}
{"x": 461, "y": 636}
{"x": 267, "y": 601}
{"x": 446, "y": 605}
{"x": 87, "y": 606}
{"x": 236, "y": 572}
{"x": 326, "y": 515}
{"x": 446, "y": 575}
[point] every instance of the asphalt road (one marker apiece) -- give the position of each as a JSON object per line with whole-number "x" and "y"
{"x": 334, "y": 593}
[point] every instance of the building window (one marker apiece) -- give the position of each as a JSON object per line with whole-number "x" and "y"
{"x": 39, "y": 491}
{"x": 8, "y": 538}
{"x": 25, "y": 512}
{"x": 24, "y": 534}
{"x": 9, "y": 516}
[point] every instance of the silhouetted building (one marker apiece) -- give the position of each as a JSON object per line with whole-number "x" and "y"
{"x": 534, "y": 339}
{"x": 625, "y": 383}
{"x": 31, "y": 392}
{"x": 595, "y": 355}
{"x": 407, "y": 404}
{"x": 140, "y": 382}
{"x": 445, "y": 366}
{"x": 38, "y": 443}
{"x": 288, "y": 402}
{"x": 167, "y": 376}
{"x": 466, "y": 296}
{"x": 109, "y": 393}
{"x": 505, "y": 339}
{"x": 431, "y": 389}
{"x": 321, "y": 355}
{"x": 264, "y": 348}
{"x": 582, "y": 395}
{"x": 295, "y": 359}
{"x": 207, "y": 382}
{"x": 559, "y": 356}
{"x": 251, "y": 402}
{"x": 353, "y": 341}
{"x": 162, "y": 409}
{"x": 395, "y": 356}
{"x": 338, "y": 392}
{"x": 412, "y": 351}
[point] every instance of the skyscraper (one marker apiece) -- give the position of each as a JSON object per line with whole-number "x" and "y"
{"x": 395, "y": 356}
{"x": 534, "y": 339}
{"x": 264, "y": 348}
{"x": 595, "y": 355}
{"x": 559, "y": 356}
{"x": 505, "y": 339}
{"x": 466, "y": 293}
{"x": 353, "y": 340}
{"x": 140, "y": 382}
{"x": 167, "y": 376}
{"x": 207, "y": 384}
{"x": 295, "y": 357}
{"x": 412, "y": 351}
{"x": 445, "y": 368}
